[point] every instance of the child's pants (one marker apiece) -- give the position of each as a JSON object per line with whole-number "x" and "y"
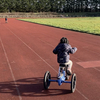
{"x": 68, "y": 68}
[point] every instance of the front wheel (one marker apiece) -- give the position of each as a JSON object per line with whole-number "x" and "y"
{"x": 46, "y": 81}
{"x": 73, "y": 83}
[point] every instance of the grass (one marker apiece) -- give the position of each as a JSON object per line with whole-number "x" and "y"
{"x": 86, "y": 24}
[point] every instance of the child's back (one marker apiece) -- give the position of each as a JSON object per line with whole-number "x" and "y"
{"x": 63, "y": 49}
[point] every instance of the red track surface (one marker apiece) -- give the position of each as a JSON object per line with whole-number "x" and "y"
{"x": 26, "y": 54}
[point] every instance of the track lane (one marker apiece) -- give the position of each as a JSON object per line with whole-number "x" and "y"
{"x": 6, "y": 74}
{"x": 40, "y": 47}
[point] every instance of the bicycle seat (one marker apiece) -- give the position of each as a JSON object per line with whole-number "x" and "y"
{"x": 62, "y": 65}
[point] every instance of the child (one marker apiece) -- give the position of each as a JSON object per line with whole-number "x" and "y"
{"x": 63, "y": 50}
{"x": 6, "y": 19}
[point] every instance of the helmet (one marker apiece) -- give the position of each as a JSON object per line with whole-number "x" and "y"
{"x": 64, "y": 40}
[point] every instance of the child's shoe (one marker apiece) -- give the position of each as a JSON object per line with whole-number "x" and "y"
{"x": 69, "y": 72}
{"x": 67, "y": 77}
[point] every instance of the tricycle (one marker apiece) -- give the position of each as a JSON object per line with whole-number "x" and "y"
{"x": 62, "y": 79}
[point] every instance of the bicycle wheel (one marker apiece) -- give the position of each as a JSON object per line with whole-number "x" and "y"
{"x": 73, "y": 83}
{"x": 47, "y": 76}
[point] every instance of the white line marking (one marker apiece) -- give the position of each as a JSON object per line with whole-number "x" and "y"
{"x": 82, "y": 94}
{"x": 10, "y": 69}
{"x": 96, "y": 69}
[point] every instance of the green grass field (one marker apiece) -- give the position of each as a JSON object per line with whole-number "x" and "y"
{"x": 84, "y": 24}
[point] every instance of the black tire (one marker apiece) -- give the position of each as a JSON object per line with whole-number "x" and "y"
{"x": 73, "y": 83}
{"x": 46, "y": 81}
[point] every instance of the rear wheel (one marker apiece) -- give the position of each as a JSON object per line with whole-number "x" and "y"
{"x": 73, "y": 83}
{"x": 46, "y": 81}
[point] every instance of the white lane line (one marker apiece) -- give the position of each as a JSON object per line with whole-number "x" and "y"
{"x": 82, "y": 94}
{"x": 43, "y": 59}
{"x": 96, "y": 69}
{"x": 11, "y": 70}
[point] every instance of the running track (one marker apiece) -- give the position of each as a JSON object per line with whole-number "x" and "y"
{"x": 26, "y": 54}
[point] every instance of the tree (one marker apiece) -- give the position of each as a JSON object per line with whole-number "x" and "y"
{"x": 25, "y": 5}
{"x": 3, "y": 6}
{"x": 18, "y": 7}
{"x": 11, "y": 5}
{"x": 49, "y": 5}
{"x": 32, "y": 5}
{"x": 43, "y": 5}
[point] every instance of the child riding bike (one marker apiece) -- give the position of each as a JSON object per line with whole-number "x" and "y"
{"x": 63, "y": 49}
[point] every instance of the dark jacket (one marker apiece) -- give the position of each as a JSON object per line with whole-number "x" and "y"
{"x": 63, "y": 50}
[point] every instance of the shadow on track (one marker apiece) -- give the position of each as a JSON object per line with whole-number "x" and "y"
{"x": 30, "y": 87}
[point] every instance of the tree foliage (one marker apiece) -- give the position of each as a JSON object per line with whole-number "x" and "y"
{"x": 49, "y": 5}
